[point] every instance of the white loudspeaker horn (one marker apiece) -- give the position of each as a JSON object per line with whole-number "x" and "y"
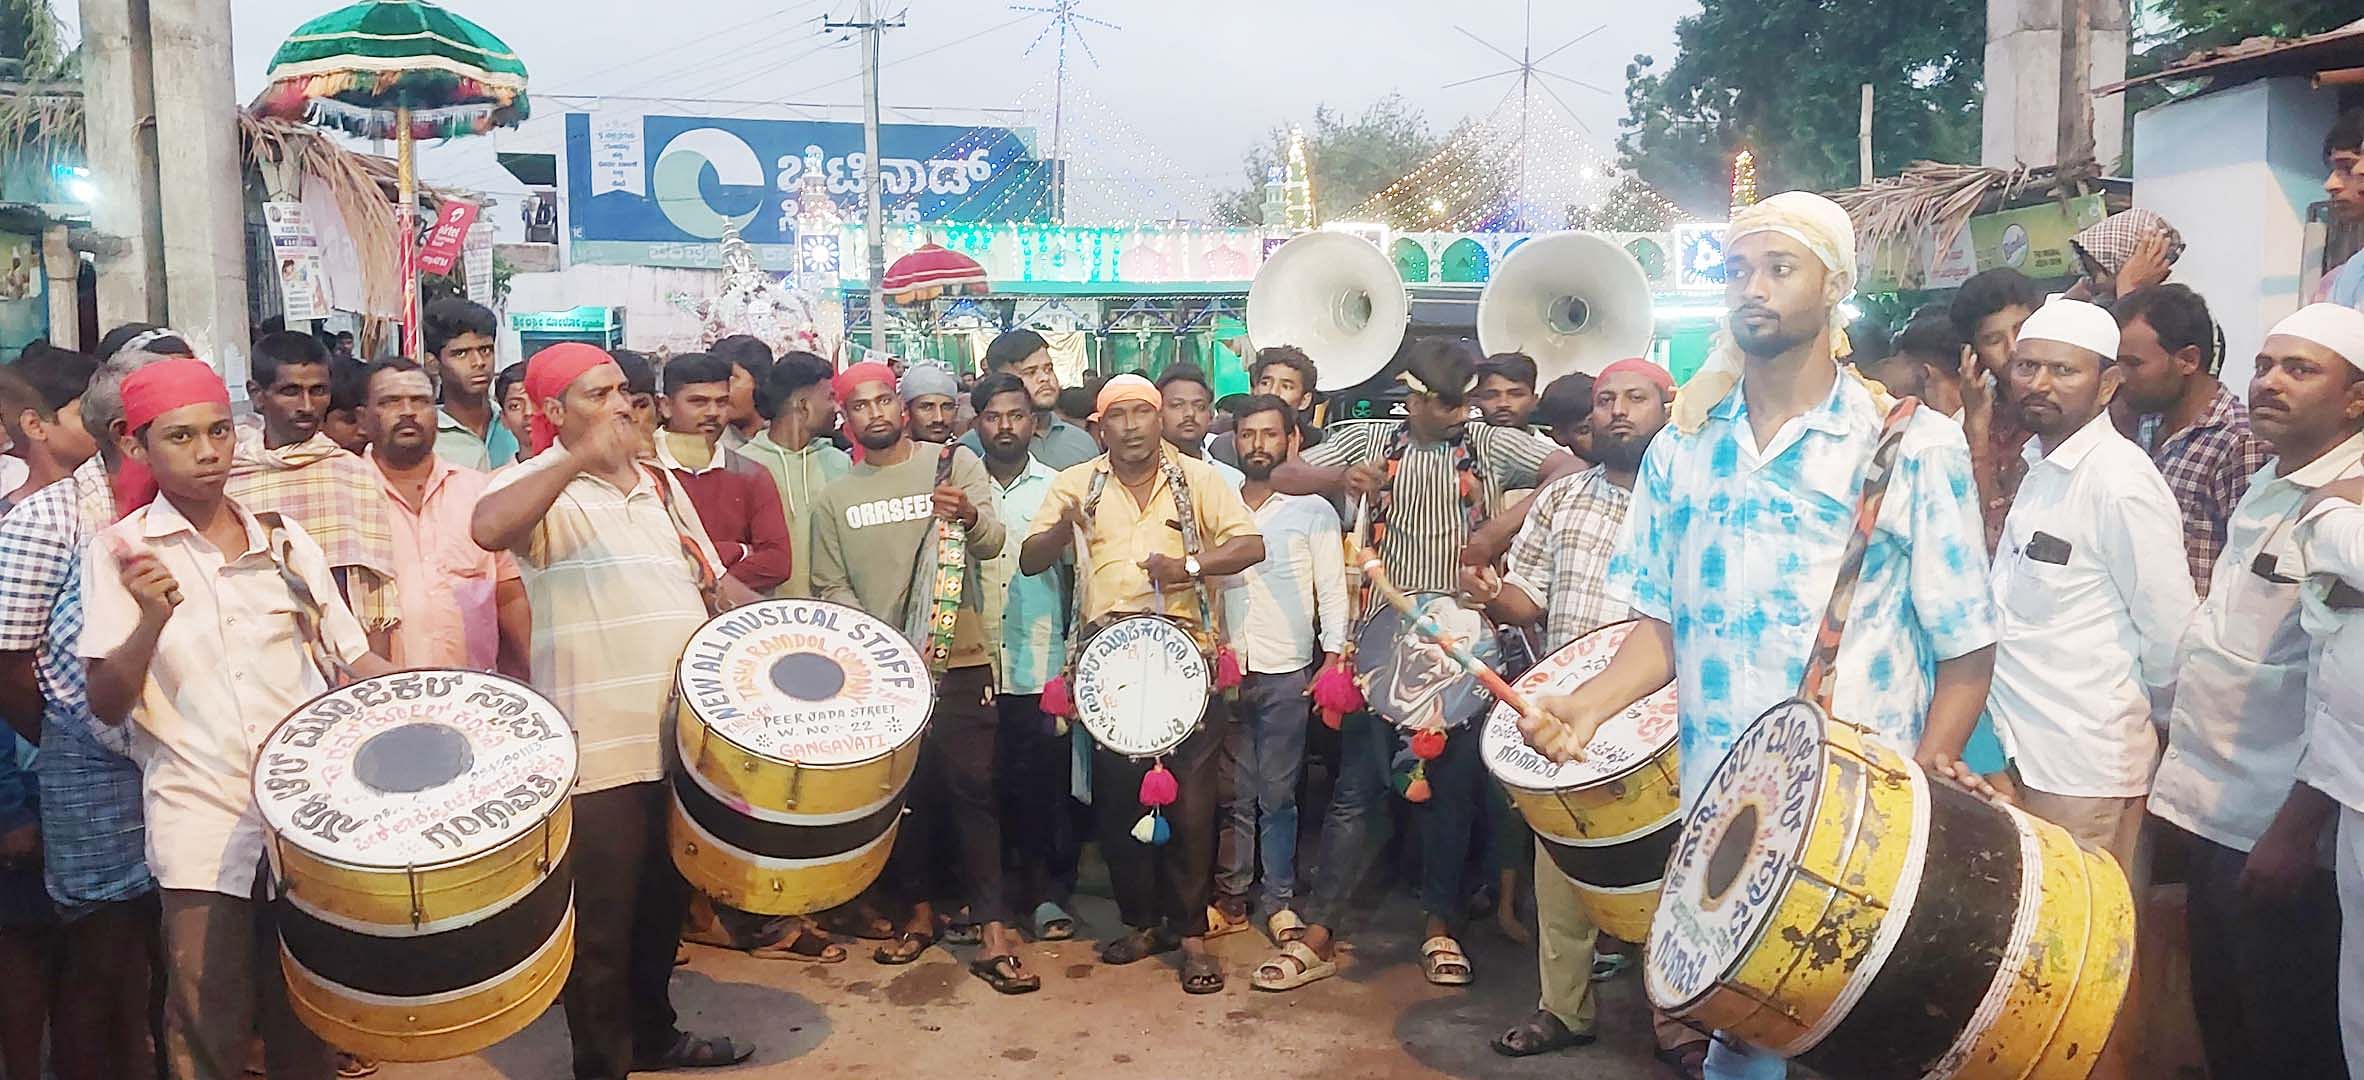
{"x": 1571, "y": 301}
{"x": 1337, "y": 297}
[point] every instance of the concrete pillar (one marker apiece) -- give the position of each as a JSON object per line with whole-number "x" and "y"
{"x": 119, "y": 105}
{"x": 2235, "y": 171}
{"x": 2030, "y": 50}
{"x": 204, "y": 207}
{"x": 61, "y": 268}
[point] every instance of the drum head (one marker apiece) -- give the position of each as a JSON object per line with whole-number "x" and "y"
{"x": 1739, "y": 843}
{"x": 1414, "y": 684}
{"x": 1630, "y": 740}
{"x": 1140, "y": 686}
{"x": 807, "y": 682}
{"x": 416, "y": 768}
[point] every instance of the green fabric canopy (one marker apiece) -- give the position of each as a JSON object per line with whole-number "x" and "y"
{"x": 353, "y": 67}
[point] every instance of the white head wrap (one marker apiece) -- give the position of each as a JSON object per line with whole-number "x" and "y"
{"x": 928, "y": 380}
{"x": 2334, "y": 326}
{"x": 1826, "y": 231}
{"x": 2074, "y": 322}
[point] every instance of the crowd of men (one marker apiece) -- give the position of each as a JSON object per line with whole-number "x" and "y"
{"x": 2103, "y": 586}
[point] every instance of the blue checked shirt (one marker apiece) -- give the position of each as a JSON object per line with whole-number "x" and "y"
{"x": 1737, "y": 550}
{"x": 94, "y": 843}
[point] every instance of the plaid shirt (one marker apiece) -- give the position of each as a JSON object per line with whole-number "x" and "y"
{"x": 94, "y": 842}
{"x": 2207, "y": 466}
{"x": 1562, "y": 554}
{"x": 340, "y": 501}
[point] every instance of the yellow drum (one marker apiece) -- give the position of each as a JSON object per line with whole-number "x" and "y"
{"x": 420, "y": 824}
{"x": 1610, "y": 821}
{"x": 799, "y": 722}
{"x": 1829, "y": 903}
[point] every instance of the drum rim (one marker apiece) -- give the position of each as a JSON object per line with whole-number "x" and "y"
{"x": 685, "y": 701}
{"x": 1195, "y": 725}
{"x": 1484, "y": 714}
{"x": 1675, "y": 743}
{"x": 1756, "y": 935}
{"x": 574, "y": 776}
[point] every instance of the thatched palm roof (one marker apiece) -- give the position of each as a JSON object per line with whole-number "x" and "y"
{"x": 1935, "y": 200}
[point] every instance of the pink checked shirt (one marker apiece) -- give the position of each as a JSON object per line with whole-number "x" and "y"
{"x": 444, "y": 580}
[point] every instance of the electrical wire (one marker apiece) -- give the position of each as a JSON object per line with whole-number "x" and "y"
{"x": 922, "y": 54}
{"x": 736, "y": 28}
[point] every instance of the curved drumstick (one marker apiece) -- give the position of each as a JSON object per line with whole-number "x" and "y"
{"x": 1427, "y": 627}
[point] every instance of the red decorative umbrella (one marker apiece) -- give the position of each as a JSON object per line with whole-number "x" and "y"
{"x": 930, "y": 272}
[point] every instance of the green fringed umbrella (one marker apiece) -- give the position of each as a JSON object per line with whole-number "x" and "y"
{"x": 408, "y": 69}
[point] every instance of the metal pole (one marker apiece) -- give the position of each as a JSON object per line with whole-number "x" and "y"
{"x": 1863, "y": 137}
{"x": 875, "y": 219}
{"x": 406, "y": 222}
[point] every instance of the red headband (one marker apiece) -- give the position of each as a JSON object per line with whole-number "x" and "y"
{"x": 547, "y": 375}
{"x": 842, "y": 387}
{"x": 148, "y": 393}
{"x": 1638, "y": 366}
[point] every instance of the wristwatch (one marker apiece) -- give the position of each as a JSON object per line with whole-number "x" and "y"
{"x": 1190, "y": 565}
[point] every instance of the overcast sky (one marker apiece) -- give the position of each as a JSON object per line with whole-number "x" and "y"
{"x": 1200, "y": 81}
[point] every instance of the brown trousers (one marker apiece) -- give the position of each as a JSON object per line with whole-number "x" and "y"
{"x": 222, "y": 982}
{"x": 106, "y": 1018}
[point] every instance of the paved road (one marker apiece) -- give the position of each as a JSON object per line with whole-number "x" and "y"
{"x": 1378, "y": 1019}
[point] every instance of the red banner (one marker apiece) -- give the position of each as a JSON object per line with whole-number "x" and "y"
{"x": 448, "y": 236}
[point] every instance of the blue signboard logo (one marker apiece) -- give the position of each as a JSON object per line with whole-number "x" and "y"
{"x": 661, "y": 190}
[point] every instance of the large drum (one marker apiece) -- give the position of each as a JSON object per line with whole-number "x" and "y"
{"x": 1140, "y": 686}
{"x": 1610, "y": 821}
{"x": 1412, "y": 683}
{"x": 799, "y": 722}
{"x": 1828, "y": 902}
{"x": 420, "y": 824}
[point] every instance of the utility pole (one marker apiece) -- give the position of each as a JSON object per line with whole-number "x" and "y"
{"x": 874, "y": 219}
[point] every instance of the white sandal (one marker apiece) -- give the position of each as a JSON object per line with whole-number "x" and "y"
{"x": 1275, "y": 974}
{"x": 1285, "y": 926}
{"x": 1442, "y": 960}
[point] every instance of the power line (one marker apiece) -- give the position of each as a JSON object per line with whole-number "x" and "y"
{"x": 735, "y": 28}
{"x": 962, "y": 40}
{"x": 715, "y": 89}
{"x": 753, "y": 50}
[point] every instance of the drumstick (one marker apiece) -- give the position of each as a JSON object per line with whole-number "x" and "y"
{"x": 1427, "y": 627}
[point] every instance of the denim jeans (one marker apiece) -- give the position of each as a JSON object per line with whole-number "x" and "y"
{"x": 1265, "y": 749}
{"x": 1358, "y": 825}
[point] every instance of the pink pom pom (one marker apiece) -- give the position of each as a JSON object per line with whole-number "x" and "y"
{"x": 1158, "y": 787}
{"x": 1056, "y": 701}
{"x": 1335, "y": 691}
{"x": 1227, "y": 673}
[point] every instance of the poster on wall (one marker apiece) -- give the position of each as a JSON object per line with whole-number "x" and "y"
{"x": 24, "y": 304}
{"x": 477, "y": 259}
{"x": 295, "y": 252}
{"x": 447, "y": 236}
{"x": 653, "y": 190}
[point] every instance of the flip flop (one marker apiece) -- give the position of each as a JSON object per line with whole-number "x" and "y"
{"x": 691, "y": 1052}
{"x": 1052, "y": 922}
{"x": 894, "y": 953}
{"x": 1202, "y": 974}
{"x": 802, "y": 946}
{"x": 1295, "y": 965}
{"x": 847, "y": 920}
{"x": 1221, "y": 924}
{"x": 1444, "y": 963}
{"x": 1539, "y": 1033}
{"x": 1005, "y": 974}
{"x": 1137, "y": 946}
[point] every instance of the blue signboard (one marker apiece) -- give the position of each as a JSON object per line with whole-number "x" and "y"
{"x": 659, "y": 190}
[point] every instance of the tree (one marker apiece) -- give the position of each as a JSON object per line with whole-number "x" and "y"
{"x": 1350, "y": 160}
{"x": 1781, "y": 77}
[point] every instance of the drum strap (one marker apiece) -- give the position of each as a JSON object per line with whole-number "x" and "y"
{"x": 929, "y": 624}
{"x": 1082, "y": 572}
{"x": 709, "y": 584}
{"x": 1186, "y": 516}
{"x": 1816, "y": 687}
{"x": 307, "y": 606}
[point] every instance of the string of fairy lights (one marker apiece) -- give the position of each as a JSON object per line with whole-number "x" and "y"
{"x": 1488, "y": 178}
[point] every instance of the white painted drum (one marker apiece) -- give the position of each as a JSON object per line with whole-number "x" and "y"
{"x": 1630, "y": 740}
{"x": 808, "y": 682}
{"x": 1140, "y": 686}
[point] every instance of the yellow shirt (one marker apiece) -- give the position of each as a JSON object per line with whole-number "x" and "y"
{"x": 1123, "y": 532}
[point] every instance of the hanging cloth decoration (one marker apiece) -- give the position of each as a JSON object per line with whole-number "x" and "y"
{"x": 929, "y": 624}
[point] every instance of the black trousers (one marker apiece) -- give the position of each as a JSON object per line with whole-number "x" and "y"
{"x": 1038, "y": 839}
{"x": 952, "y": 796}
{"x": 1163, "y": 885}
{"x": 629, "y": 903}
{"x": 2265, "y": 979}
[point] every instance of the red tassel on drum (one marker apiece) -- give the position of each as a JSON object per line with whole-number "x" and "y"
{"x": 1056, "y": 701}
{"x": 1227, "y": 673}
{"x": 1336, "y": 694}
{"x": 1427, "y": 745}
{"x": 1158, "y": 787}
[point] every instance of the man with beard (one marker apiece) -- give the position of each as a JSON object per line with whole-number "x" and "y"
{"x": 796, "y": 450}
{"x": 873, "y": 528}
{"x": 931, "y": 400}
{"x": 1291, "y": 624}
{"x": 2196, "y": 431}
{"x": 1026, "y": 621}
{"x": 734, "y": 496}
{"x": 459, "y": 334}
{"x": 2264, "y": 913}
{"x": 291, "y": 467}
{"x": 1057, "y": 443}
{"x": 1505, "y": 391}
{"x": 1557, "y": 579}
{"x": 462, "y": 606}
{"x": 1117, "y": 506}
{"x": 1748, "y": 503}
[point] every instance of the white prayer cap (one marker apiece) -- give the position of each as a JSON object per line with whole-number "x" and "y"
{"x": 2334, "y": 326}
{"x": 2074, "y": 322}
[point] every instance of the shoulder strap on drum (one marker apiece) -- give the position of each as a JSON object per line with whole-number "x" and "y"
{"x": 1815, "y": 687}
{"x": 940, "y": 574}
{"x": 1080, "y": 570}
{"x": 307, "y": 606}
{"x": 1186, "y": 516}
